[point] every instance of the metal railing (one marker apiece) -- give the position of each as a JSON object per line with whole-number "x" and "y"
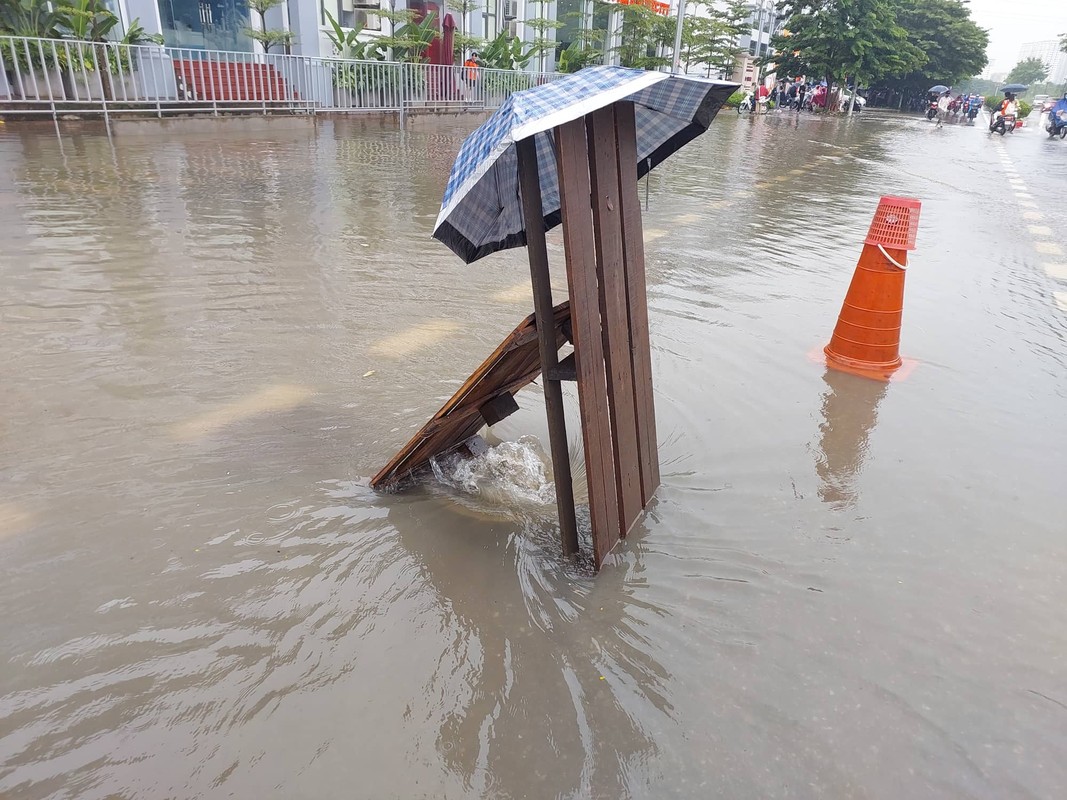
{"x": 64, "y": 76}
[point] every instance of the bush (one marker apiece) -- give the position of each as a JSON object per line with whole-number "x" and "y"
{"x": 734, "y": 100}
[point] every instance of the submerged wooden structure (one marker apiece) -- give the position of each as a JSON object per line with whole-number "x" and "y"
{"x": 606, "y": 319}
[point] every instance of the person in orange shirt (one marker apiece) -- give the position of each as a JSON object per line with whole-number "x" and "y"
{"x": 472, "y": 68}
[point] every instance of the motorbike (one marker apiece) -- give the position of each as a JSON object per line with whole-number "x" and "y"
{"x": 1003, "y": 123}
{"x": 972, "y": 112}
{"x": 931, "y": 112}
{"x": 1057, "y": 124}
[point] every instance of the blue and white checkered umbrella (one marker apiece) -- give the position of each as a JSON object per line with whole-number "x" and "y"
{"x": 482, "y": 207}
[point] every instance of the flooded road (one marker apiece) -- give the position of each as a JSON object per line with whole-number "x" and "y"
{"x": 843, "y": 588}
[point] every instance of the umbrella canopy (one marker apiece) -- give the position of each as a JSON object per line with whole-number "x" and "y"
{"x": 482, "y": 207}
{"x": 1014, "y": 87}
{"x": 939, "y": 89}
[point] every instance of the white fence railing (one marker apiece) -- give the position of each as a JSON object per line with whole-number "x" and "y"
{"x": 56, "y": 76}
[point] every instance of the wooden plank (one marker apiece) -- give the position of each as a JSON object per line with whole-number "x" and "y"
{"x": 633, "y": 245}
{"x": 572, "y": 155}
{"x": 537, "y": 250}
{"x": 607, "y": 230}
{"x": 499, "y": 408}
{"x": 512, "y": 365}
{"x": 567, "y": 369}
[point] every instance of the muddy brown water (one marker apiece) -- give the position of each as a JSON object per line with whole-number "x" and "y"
{"x": 208, "y": 343}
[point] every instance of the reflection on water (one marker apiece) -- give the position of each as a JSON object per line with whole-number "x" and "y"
{"x": 849, "y": 413}
{"x": 210, "y": 341}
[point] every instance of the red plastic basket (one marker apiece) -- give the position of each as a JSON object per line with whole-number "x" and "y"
{"x": 896, "y": 223}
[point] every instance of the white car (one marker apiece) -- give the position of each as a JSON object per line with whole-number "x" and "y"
{"x": 861, "y": 102}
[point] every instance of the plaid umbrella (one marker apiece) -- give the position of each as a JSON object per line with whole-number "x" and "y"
{"x": 482, "y": 207}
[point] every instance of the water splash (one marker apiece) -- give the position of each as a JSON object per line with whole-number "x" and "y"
{"x": 506, "y": 473}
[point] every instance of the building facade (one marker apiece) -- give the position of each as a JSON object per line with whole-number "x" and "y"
{"x": 221, "y": 24}
{"x": 1049, "y": 52}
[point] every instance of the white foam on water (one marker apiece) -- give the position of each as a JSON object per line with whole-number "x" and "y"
{"x": 508, "y": 473}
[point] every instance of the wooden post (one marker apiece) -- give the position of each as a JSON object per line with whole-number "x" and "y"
{"x": 574, "y": 190}
{"x": 533, "y": 215}
{"x": 611, "y": 272}
{"x": 633, "y": 244}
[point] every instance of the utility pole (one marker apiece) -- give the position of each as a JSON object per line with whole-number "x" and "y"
{"x": 756, "y": 55}
{"x": 678, "y": 37}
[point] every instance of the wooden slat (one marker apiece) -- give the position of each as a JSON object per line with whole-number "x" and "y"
{"x": 573, "y": 167}
{"x": 537, "y": 251}
{"x": 633, "y": 244}
{"x": 514, "y": 363}
{"x": 607, "y": 229}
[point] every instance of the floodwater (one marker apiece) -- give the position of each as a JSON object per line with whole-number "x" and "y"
{"x": 208, "y": 343}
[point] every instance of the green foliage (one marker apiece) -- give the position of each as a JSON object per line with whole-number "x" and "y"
{"x": 644, "y": 33}
{"x": 261, "y": 7}
{"x": 87, "y": 20}
{"x": 576, "y": 56}
{"x": 462, "y": 44}
{"x": 347, "y": 44}
{"x": 541, "y": 26}
{"x": 978, "y": 86}
{"x": 410, "y": 39}
{"x": 710, "y": 37}
{"x": 1029, "y": 70}
{"x": 734, "y": 100}
{"x": 952, "y": 44}
{"x": 272, "y": 38}
{"x": 841, "y": 39}
{"x": 506, "y": 52}
{"x": 136, "y": 34}
{"x": 463, "y": 41}
{"x": 32, "y": 18}
{"x": 268, "y": 38}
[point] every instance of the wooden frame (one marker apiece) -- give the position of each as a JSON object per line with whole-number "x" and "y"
{"x": 602, "y": 237}
{"x": 606, "y": 319}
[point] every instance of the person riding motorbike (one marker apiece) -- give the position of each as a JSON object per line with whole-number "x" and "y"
{"x": 1008, "y": 108}
{"x": 1057, "y": 117}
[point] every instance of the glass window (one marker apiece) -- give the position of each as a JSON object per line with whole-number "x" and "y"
{"x": 353, "y": 13}
{"x": 205, "y": 24}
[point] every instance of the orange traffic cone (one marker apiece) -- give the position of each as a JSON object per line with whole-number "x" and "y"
{"x": 866, "y": 340}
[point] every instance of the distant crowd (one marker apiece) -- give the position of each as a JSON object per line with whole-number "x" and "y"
{"x": 799, "y": 96}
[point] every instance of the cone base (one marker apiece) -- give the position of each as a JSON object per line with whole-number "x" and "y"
{"x": 865, "y": 369}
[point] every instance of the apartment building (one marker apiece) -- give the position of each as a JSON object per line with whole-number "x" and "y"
{"x": 1049, "y": 52}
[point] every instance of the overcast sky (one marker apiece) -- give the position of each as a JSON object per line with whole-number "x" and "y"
{"x": 1012, "y": 22}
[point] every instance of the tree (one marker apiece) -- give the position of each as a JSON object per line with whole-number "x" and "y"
{"x": 1029, "y": 70}
{"x": 710, "y": 38}
{"x": 841, "y": 39}
{"x": 585, "y": 49}
{"x": 410, "y": 38}
{"x": 91, "y": 21}
{"x": 31, "y": 18}
{"x": 542, "y": 27}
{"x": 644, "y": 36}
{"x": 266, "y": 37}
{"x": 506, "y": 52}
{"x": 462, "y": 41}
{"x": 953, "y": 45}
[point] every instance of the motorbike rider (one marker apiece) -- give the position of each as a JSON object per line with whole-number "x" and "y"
{"x": 1008, "y": 108}
{"x": 1055, "y": 121}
